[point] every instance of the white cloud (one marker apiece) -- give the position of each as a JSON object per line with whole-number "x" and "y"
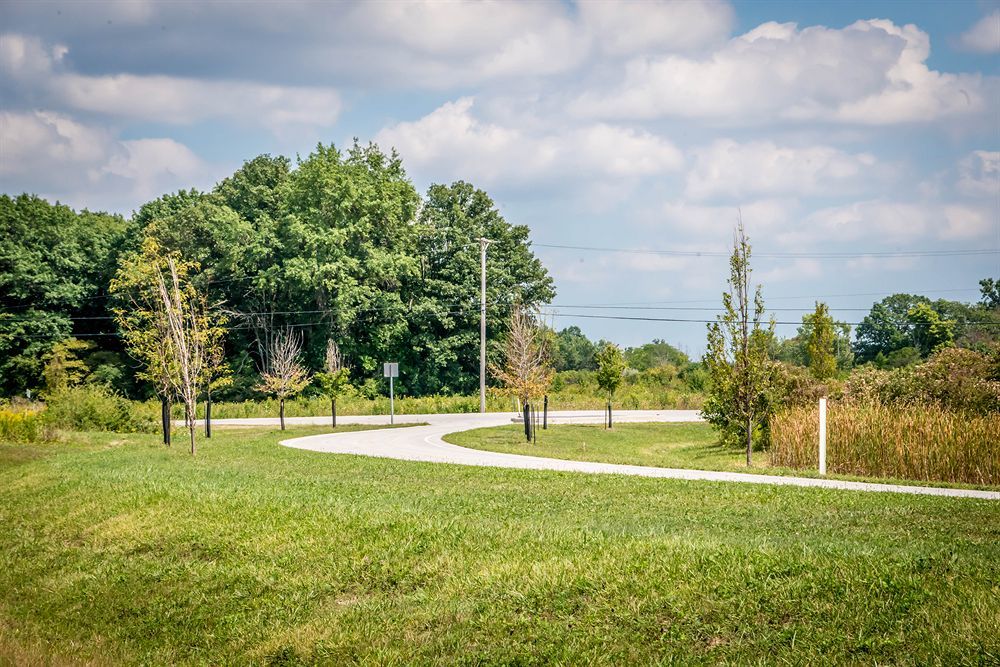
{"x": 451, "y": 142}
{"x": 733, "y": 170}
{"x": 892, "y": 223}
{"x": 714, "y": 224}
{"x": 979, "y": 174}
{"x": 871, "y": 72}
{"x": 40, "y": 72}
{"x": 59, "y": 157}
{"x": 628, "y": 27}
{"x": 984, "y": 36}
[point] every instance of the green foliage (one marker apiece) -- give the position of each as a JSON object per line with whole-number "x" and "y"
{"x": 953, "y": 378}
{"x": 990, "y": 289}
{"x": 610, "y": 368}
{"x": 63, "y": 368}
{"x": 820, "y": 343}
{"x": 930, "y": 331}
{"x": 97, "y": 408}
{"x": 739, "y": 401}
{"x": 55, "y": 264}
{"x": 573, "y": 351}
{"x": 442, "y": 350}
{"x": 655, "y": 354}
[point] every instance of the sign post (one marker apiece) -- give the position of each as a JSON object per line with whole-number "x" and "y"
{"x": 391, "y": 370}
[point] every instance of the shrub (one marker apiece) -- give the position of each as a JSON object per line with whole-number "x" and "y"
{"x": 24, "y": 422}
{"x": 909, "y": 442}
{"x": 96, "y": 408}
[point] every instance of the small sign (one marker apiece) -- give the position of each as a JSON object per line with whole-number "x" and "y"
{"x": 390, "y": 370}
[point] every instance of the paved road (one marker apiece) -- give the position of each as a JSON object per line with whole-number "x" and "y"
{"x": 425, "y": 443}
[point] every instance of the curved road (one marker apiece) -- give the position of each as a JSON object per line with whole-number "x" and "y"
{"x": 425, "y": 443}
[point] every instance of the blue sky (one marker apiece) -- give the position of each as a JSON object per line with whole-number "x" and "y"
{"x": 833, "y": 127}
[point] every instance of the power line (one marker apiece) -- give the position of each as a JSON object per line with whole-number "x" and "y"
{"x": 782, "y": 255}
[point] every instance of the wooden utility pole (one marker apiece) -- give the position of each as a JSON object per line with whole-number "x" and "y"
{"x": 483, "y": 242}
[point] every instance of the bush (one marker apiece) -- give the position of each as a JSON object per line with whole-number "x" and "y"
{"x": 953, "y": 379}
{"x": 24, "y": 422}
{"x": 909, "y": 442}
{"x": 97, "y": 408}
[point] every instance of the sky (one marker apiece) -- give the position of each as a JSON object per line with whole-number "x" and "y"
{"x": 858, "y": 142}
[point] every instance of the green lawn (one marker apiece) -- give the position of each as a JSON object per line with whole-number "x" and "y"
{"x": 114, "y": 549}
{"x": 664, "y": 445}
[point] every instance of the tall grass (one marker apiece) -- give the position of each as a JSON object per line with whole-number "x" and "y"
{"x": 909, "y": 442}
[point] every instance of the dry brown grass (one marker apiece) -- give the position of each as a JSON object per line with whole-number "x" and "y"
{"x": 906, "y": 442}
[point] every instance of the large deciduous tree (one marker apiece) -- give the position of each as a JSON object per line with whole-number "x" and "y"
{"x": 737, "y": 356}
{"x": 55, "y": 266}
{"x": 444, "y": 320}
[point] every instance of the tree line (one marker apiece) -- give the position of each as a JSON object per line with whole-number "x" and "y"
{"x": 337, "y": 247}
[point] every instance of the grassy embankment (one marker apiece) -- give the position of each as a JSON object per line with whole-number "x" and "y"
{"x": 115, "y": 549}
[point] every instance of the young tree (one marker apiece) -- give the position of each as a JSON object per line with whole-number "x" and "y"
{"x": 610, "y": 371}
{"x": 335, "y": 379}
{"x": 819, "y": 347}
{"x": 282, "y": 374}
{"x": 525, "y": 372}
{"x": 62, "y": 366}
{"x": 736, "y": 357}
{"x": 143, "y": 321}
{"x": 187, "y": 319}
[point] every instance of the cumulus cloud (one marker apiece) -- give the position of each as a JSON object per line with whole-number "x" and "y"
{"x": 37, "y": 72}
{"x": 871, "y": 72}
{"x": 422, "y": 43}
{"x": 984, "y": 36}
{"x": 892, "y": 223}
{"x": 979, "y": 174}
{"x": 451, "y": 142}
{"x": 629, "y": 27}
{"x": 734, "y": 170}
{"x": 86, "y": 166}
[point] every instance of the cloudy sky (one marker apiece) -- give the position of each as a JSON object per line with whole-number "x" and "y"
{"x": 860, "y": 141}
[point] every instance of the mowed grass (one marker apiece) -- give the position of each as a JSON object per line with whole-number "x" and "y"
{"x": 663, "y": 445}
{"x": 116, "y": 550}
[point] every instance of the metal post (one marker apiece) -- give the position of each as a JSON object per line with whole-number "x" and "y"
{"x": 483, "y": 242}
{"x": 822, "y": 436}
{"x": 545, "y": 413}
{"x": 392, "y": 406}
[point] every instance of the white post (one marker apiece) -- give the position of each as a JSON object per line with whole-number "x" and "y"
{"x": 822, "y": 436}
{"x": 392, "y": 407}
{"x": 483, "y": 242}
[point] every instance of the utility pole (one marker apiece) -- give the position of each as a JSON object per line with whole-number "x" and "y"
{"x": 483, "y": 242}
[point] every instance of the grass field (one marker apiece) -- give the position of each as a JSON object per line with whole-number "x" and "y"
{"x": 116, "y": 550}
{"x": 670, "y": 445}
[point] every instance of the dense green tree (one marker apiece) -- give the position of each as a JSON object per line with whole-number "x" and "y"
{"x": 573, "y": 351}
{"x": 55, "y": 265}
{"x": 887, "y": 327}
{"x": 444, "y": 321}
{"x": 930, "y": 331}
{"x": 655, "y": 354}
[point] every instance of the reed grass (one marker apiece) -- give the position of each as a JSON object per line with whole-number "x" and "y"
{"x": 909, "y": 442}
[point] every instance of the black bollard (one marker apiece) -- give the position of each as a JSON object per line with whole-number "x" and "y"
{"x": 545, "y": 413}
